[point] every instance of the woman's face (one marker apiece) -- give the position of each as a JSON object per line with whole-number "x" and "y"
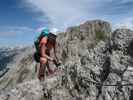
{"x": 51, "y": 43}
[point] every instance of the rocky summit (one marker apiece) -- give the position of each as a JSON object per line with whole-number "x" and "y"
{"x": 97, "y": 64}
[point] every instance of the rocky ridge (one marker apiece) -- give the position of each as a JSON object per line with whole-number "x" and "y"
{"x": 96, "y": 63}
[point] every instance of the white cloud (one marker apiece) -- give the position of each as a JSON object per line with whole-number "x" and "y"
{"x": 63, "y": 13}
{"x": 11, "y": 31}
{"x": 125, "y": 1}
{"x": 125, "y": 23}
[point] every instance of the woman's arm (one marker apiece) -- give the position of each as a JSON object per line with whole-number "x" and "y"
{"x": 43, "y": 49}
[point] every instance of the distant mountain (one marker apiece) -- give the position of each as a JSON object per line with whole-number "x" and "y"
{"x": 16, "y": 66}
{"x": 6, "y": 56}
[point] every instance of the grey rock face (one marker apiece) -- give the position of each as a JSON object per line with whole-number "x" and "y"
{"x": 22, "y": 68}
{"x": 122, "y": 38}
{"x": 94, "y": 67}
{"x": 31, "y": 90}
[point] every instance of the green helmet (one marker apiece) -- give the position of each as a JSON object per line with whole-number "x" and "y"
{"x": 45, "y": 32}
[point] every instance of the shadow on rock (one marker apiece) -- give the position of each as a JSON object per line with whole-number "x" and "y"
{"x": 130, "y": 49}
{"x": 131, "y": 95}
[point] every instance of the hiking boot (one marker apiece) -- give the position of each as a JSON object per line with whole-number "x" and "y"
{"x": 52, "y": 72}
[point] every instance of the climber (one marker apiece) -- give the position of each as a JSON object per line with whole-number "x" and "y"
{"x": 44, "y": 44}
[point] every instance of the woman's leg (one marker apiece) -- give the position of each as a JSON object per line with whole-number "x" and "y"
{"x": 42, "y": 69}
{"x": 50, "y": 71}
{"x": 41, "y": 73}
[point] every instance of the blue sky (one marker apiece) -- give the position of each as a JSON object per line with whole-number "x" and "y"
{"x": 20, "y": 19}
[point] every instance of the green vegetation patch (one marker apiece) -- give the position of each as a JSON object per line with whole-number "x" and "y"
{"x": 100, "y": 36}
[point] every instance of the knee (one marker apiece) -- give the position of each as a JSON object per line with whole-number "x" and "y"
{"x": 43, "y": 60}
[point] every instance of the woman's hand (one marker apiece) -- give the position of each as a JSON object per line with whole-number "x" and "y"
{"x": 51, "y": 59}
{"x": 57, "y": 63}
